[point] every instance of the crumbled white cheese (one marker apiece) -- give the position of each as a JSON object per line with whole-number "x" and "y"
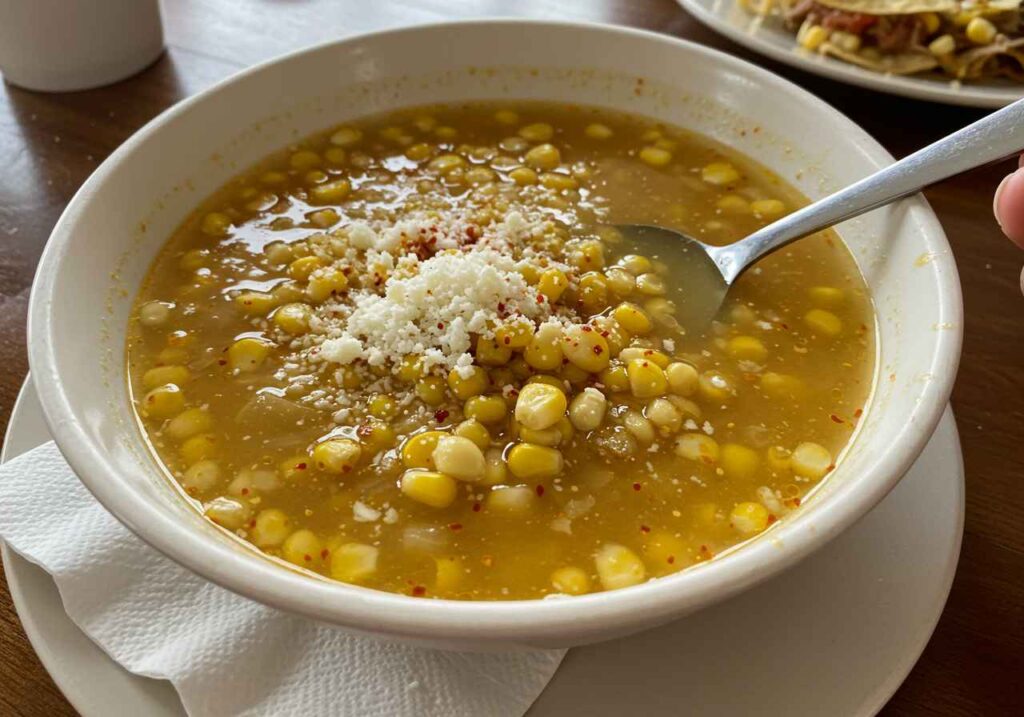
{"x": 362, "y": 513}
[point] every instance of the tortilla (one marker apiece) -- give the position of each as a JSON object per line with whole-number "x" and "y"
{"x": 904, "y": 63}
{"x": 893, "y": 7}
{"x": 985, "y": 61}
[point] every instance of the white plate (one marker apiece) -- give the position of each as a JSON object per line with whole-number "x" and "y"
{"x": 771, "y": 39}
{"x": 835, "y": 635}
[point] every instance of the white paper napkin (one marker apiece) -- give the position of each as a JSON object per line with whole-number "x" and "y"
{"x": 224, "y": 654}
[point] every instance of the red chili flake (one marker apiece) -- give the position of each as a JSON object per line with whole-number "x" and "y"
{"x": 645, "y": 529}
{"x": 835, "y": 418}
{"x": 245, "y": 491}
{"x": 300, "y": 466}
{"x": 597, "y": 350}
{"x": 324, "y": 553}
{"x": 501, "y": 307}
{"x": 455, "y": 526}
{"x": 587, "y": 328}
{"x": 507, "y": 340}
{"x": 307, "y": 557}
{"x": 419, "y": 591}
{"x": 858, "y": 413}
{"x": 221, "y": 362}
{"x": 784, "y": 325}
{"x": 540, "y": 298}
{"x": 440, "y": 325}
{"x": 649, "y": 352}
{"x": 671, "y": 559}
{"x": 606, "y": 334}
{"x": 796, "y": 501}
{"x": 476, "y": 507}
{"x": 252, "y": 523}
{"x": 637, "y": 486}
{"x": 440, "y": 415}
{"x": 645, "y": 364}
{"x": 771, "y": 519}
{"x": 540, "y": 491}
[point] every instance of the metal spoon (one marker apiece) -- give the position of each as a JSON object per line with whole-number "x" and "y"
{"x": 710, "y": 271}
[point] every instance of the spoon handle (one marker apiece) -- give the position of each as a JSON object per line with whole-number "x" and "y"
{"x": 991, "y": 138}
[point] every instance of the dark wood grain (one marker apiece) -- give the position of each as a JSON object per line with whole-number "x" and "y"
{"x": 49, "y": 144}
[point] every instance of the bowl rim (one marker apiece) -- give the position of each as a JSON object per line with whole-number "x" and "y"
{"x": 512, "y": 621}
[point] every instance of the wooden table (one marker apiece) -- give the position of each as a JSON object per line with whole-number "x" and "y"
{"x": 49, "y": 144}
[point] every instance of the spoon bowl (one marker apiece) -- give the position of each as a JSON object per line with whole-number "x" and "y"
{"x": 709, "y": 272}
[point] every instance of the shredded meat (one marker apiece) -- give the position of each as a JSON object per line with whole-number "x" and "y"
{"x": 890, "y": 33}
{"x": 897, "y": 33}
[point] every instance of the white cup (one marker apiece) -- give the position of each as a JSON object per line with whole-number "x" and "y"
{"x": 64, "y": 45}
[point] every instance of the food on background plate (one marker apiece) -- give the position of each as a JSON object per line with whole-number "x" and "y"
{"x": 964, "y": 40}
{"x": 412, "y": 353}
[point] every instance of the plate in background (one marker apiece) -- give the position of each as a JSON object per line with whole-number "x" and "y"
{"x": 769, "y": 38}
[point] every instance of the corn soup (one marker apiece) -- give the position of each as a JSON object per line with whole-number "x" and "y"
{"x": 412, "y": 353}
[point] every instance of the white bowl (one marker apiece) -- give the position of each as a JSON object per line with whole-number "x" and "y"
{"x": 104, "y": 242}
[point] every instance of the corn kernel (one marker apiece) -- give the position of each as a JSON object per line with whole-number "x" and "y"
{"x": 353, "y": 562}
{"x": 543, "y": 156}
{"x": 655, "y": 156}
{"x": 597, "y": 130}
{"x": 552, "y": 284}
{"x": 558, "y": 182}
{"x": 304, "y": 159}
{"x": 472, "y": 384}
{"x": 586, "y": 348}
{"x": 189, "y": 423}
{"x": 255, "y": 303}
{"x": 942, "y": 45}
{"x": 431, "y": 390}
{"x": 292, "y": 318}
{"x": 682, "y": 378}
{"x": 325, "y": 284}
{"x": 491, "y": 352}
{"x": 570, "y": 581}
{"x": 698, "y": 447}
{"x": 639, "y": 427}
{"x": 335, "y": 156}
{"x": 381, "y": 406}
{"x": 587, "y": 409}
{"x": 215, "y": 224}
{"x": 930, "y": 20}
{"x": 475, "y": 431}
{"x": 713, "y": 386}
{"x": 767, "y": 208}
{"x": 779, "y": 385}
{"x": 201, "y": 476}
{"x": 506, "y": 117}
{"x": 511, "y": 500}
{"x": 523, "y": 176}
{"x": 302, "y": 548}
{"x": 248, "y": 354}
{"x": 271, "y": 528}
{"x": 632, "y": 318}
{"x": 733, "y": 204}
{"x": 823, "y": 322}
{"x": 375, "y": 436}
{"x": 778, "y": 459}
{"x": 163, "y": 402}
{"x": 826, "y": 295}
{"x": 540, "y": 406}
{"x": 227, "y": 512}
{"x": 618, "y": 567}
{"x": 496, "y": 470}
{"x": 346, "y": 137}
{"x": 529, "y": 461}
{"x": 749, "y": 518}
{"x": 811, "y": 36}
{"x": 515, "y": 334}
{"x": 486, "y": 409}
{"x": 198, "y": 447}
{"x": 537, "y": 132}
{"x": 615, "y": 378}
{"x": 459, "y": 457}
{"x": 646, "y": 378}
{"x": 330, "y": 192}
{"x": 845, "y": 40}
{"x": 337, "y": 455}
{"x": 418, "y": 450}
{"x": 160, "y": 375}
{"x": 650, "y": 284}
{"x": 811, "y": 460}
{"x": 738, "y": 462}
{"x": 429, "y": 487}
{"x": 747, "y": 348}
{"x": 544, "y": 352}
{"x": 664, "y": 414}
{"x": 664, "y": 552}
{"x": 980, "y": 31}
{"x": 720, "y": 174}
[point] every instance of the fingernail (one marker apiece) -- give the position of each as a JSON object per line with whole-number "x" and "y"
{"x": 995, "y": 198}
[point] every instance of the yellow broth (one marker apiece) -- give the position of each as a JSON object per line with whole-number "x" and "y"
{"x": 635, "y": 452}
